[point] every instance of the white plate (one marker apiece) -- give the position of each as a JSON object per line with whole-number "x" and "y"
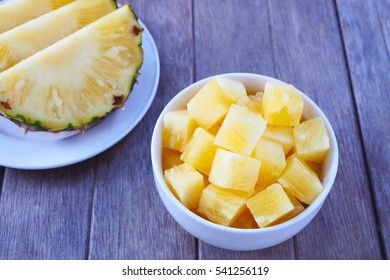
{"x": 31, "y": 152}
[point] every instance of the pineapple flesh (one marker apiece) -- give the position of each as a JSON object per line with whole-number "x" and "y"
{"x": 26, "y": 39}
{"x": 186, "y": 184}
{"x": 77, "y": 81}
{"x": 221, "y": 206}
{"x": 16, "y": 12}
{"x": 170, "y": 158}
{"x": 178, "y": 127}
{"x": 300, "y": 181}
{"x": 280, "y": 134}
{"x": 269, "y": 205}
{"x": 234, "y": 90}
{"x": 298, "y": 208}
{"x": 311, "y": 140}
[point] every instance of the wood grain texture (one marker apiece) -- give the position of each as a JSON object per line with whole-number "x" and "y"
{"x": 366, "y": 33}
{"x": 129, "y": 219}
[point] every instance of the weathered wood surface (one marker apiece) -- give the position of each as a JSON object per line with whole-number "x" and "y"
{"x": 107, "y": 207}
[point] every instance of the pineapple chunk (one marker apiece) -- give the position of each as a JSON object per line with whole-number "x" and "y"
{"x": 240, "y": 131}
{"x": 214, "y": 129}
{"x": 200, "y": 150}
{"x": 233, "y": 89}
{"x": 178, "y": 127}
{"x": 221, "y": 206}
{"x": 170, "y": 158}
{"x": 300, "y": 181}
{"x": 186, "y": 184}
{"x": 234, "y": 171}
{"x": 253, "y": 103}
{"x": 282, "y": 104}
{"x": 280, "y": 134}
{"x": 209, "y": 106}
{"x": 245, "y": 220}
{"x": 311, "y": 140}
{"x": 269, "y": 205}
{"x": 298, "y": 208}
{"x": 272, "y": 159}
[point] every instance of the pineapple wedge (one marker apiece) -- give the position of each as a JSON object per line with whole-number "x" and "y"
{"x": 200, "y": 150}
{"x": 26, "y": 39}
{"x": 170, "y": 158}
{"x": 178, "y": 127}
{"x": 234, "y": 171}
{"x": 272, "y": 159}
{"x": 282, "y": 104}
{"x": 298, "y": 208}
{"x": 234, "y": 90}
{"x": 300, "y": 181}
{"x": 186, "y": 184}
{"x": 269, "y": 205}
{"x": 240, "y": 131}
{"x": 311, "y": 140}
{"x": 280, "y": 134}
{"x": 15, "y": 12}
{"x": 209, "y": 106}
{"x": 221, "y": 206}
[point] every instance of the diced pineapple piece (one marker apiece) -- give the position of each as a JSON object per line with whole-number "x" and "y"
{"x": 178, "y": 127}
{"x": 300, "y": 181}
{"x": 253, "y": 103}
{"x": 170, "y": 158}
{"x": 200, "y": 150}
{"x": 311, "y": 140}
{"x": 209, "y": 106}
{"x": 221, "y": 206}
{"x": 298, "y": 208}
{"x": 272, "y": 159}
{"x": 186, "y": 184}
{"x": 240, "y": 131}
{"x": 280, "y": 134}
{"x": 245, "y": 220}
{"x": 234, "y": 171}
{"x": 214, "y": 129}
{"x": 315, "y": 166}
{"x": 282, "y": 104}
{"x": 233, "y": 89}
{"x": 269, "y": 205}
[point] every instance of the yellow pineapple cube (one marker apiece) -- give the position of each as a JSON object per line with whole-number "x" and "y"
{"x": 300, "y": 181}
{"x": 269, "y": 205}
{"x": 200, "y": 150}
{"x": 221, "y": 206}
{"x": 240, "y": 131}
{"x": 311, "y": 140}
{"x": 245, "y": 220}
{"x": 234, "y": 171}
{"x": 186, "y": 184}
{"x": 253, "y": 102}
{"x": 233, "y": 89}
{"x": 178, "y": 127}
{"x": 282, "y": 104}
{"x": 280, "y": 134}
{"x": 298, "y": 208}
{"x": 170, "y": 158}
{"x": 209, "y": 106}
{"x": 272, "y": 159}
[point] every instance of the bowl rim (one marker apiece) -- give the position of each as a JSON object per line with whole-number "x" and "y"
{"x": 161, "y": 184}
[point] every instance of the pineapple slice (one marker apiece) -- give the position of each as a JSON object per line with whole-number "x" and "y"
{"x": 234, "y": 171}
{"x": 282, "y": 104}
{"x": 77, "y": 81}
{"x": 200, "y": 151}
{"x": 298, "y": 208}
{"x": 178, "y": 127}
{"x": 245, "y": 220}
{"x": 26, "y": 39}
{"x": 272, "y": 159}
{"x": 253, "y": 103}
{"x": 280, "y": 134}
{"x": 186, "y": 184}
{"x": 221, "y": 206}
{"x": 234, "y": 90}
{"x": 240, "y": 131}
{"x": 16, "y": 12}
{"x": 209, "y": 106}
{"x": 170, "y": 158}
{"x": 311, "y": 140}
{"x": 269, "y": 205}
{"x": 300, "y": 181}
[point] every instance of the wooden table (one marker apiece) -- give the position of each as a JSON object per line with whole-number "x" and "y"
{"x": 107, "y": 207}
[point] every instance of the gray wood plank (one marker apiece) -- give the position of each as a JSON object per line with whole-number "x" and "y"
{"x": 46, "y": 214}
{"x": 234, "y": 36}
{"x": 308, "y": 53}
{"x": 366, "y": 33}
{"x": 129, "y": 219}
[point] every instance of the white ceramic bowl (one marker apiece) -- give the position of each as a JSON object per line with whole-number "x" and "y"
{"x": 233, "y": 238}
